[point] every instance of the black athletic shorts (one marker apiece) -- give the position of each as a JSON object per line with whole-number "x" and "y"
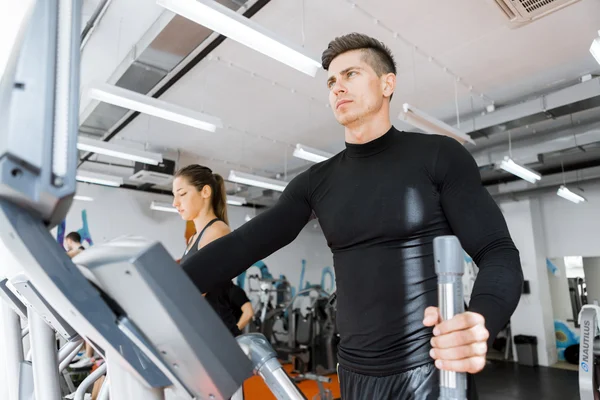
{"x": 421, "y": 383}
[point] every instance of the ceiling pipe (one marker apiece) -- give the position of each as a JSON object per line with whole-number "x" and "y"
{"x": 94, "y": 20}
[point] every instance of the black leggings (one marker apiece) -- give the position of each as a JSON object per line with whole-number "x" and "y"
{"x": 421, "y": 383}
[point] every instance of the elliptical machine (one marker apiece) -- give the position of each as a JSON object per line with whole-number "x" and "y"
{"x": 127, "y": 298}
{"x": 589, "y": 352}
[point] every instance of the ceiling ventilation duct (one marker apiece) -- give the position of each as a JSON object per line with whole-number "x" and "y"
{"x": 153, "y": 63}
{"x": 521, "y": 12}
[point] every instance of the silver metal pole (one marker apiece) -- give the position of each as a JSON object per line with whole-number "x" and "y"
{"x": 65, "y": 361}
{"x": 89, "y": 381}
{"x": 266, "y": 365}
{"x": 67, "y": 349}
{"x": 44, "y": 357}
{"x": 277, "y": 380}
{"x": 449, "y": 267}
{"x": 12, "y": 349}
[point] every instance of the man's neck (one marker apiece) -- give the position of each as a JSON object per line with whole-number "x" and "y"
{"x": 368, "y": 129}
{"x": 364, "y": 133}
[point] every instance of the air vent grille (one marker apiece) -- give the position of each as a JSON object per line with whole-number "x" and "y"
{"x": 520, "y": 12}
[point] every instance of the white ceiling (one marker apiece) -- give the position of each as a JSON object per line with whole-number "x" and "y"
{"x": 267, "y": 107}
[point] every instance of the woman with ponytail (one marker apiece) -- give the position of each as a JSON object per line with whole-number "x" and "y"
{"x": 199, "y": 196}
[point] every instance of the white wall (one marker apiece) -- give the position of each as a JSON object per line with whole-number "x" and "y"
{"x": 534, "y": 315}
{"x": 591, "y": 268}
{"x": 117, "y": 212}
{"x": 559, "y": 291}
{"x": 572, "y": 229}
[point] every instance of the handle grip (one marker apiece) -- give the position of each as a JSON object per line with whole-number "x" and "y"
{"x": 449, "y": 267}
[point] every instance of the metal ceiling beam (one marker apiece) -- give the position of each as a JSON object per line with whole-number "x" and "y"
{"x": 527, "y": 151}
{"x": 514, "y": 191}
{"x": 553, "y": 181}
{"x": 536, "y": 109}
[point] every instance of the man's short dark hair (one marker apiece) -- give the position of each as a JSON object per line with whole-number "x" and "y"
{"x": 74, "y": 236}
{"x": 376, "y": 54}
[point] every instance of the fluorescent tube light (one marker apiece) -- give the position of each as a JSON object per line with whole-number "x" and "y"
{"x": 99, "y": 179}
{"x": 160, "y": 206}
{"x": 83, "y": 198}
{"x": 258, "y": 181}
{"x": 236, "y": 200}
{"x": 229, "y": 23}
{"x": 114, "y": 150}
{"x": 522, "y": 172}
{"x": 595, "y": 48}
{"x": 148, "y": 105}
{"x": 565, "y": 193}
{"x": 429, "y": 124}
{"x": 310, "y": 154}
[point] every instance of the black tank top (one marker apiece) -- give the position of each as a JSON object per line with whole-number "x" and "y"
{"x": 219, "y": 297}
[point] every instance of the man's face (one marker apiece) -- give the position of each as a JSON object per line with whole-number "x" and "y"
{"x": 69, "y": 244}
{"x": 355, "y": 90}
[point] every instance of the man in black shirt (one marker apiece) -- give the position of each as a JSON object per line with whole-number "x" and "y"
{"x": 380, "y": 203}
{"x": 242, "y": 308}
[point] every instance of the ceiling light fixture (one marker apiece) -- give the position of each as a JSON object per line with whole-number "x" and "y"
{"x": 229, "y": 23}
{"x": 310, "y": 154}
{"x": 83, "y": 198}
{"x": 160, "y": 206}
{"x": 258, "y": 181}
{"x": 431, "y": 125}
{"x": 149, "y": 105}
{"x": 113, "y": 150}
{"x": 565, "y": 193}
{"x": 595, "y": 48}
{"x": 236, "y": 200}
{"x": 518, "y": 170}
{"x": 99, "y": 179}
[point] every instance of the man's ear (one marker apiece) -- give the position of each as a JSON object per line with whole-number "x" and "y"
{"x": 389, "y": 84}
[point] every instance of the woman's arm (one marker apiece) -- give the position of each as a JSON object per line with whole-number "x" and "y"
{"x": 247, "y": 314}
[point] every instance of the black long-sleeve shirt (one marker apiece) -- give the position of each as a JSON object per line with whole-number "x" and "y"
{"x": 380, "y": 205}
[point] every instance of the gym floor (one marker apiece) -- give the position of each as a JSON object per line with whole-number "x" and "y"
{"x": 506, "y": 380}
{"x": 498, "y": 381}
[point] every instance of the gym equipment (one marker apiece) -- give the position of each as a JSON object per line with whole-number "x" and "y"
{"x": 12, "y": 309}
{"x": 578, "y": 294}
{"x": 306, "y": 336}
{"x": 127, "y": 298}
{"x": 264, "y": 360}
{"x": 269, "y": 290}
{"x": 43, "y": 323}
{"x": 449, "y": 267}
{"x": 589, "y": 353}
{"x": 324, "y": 394}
